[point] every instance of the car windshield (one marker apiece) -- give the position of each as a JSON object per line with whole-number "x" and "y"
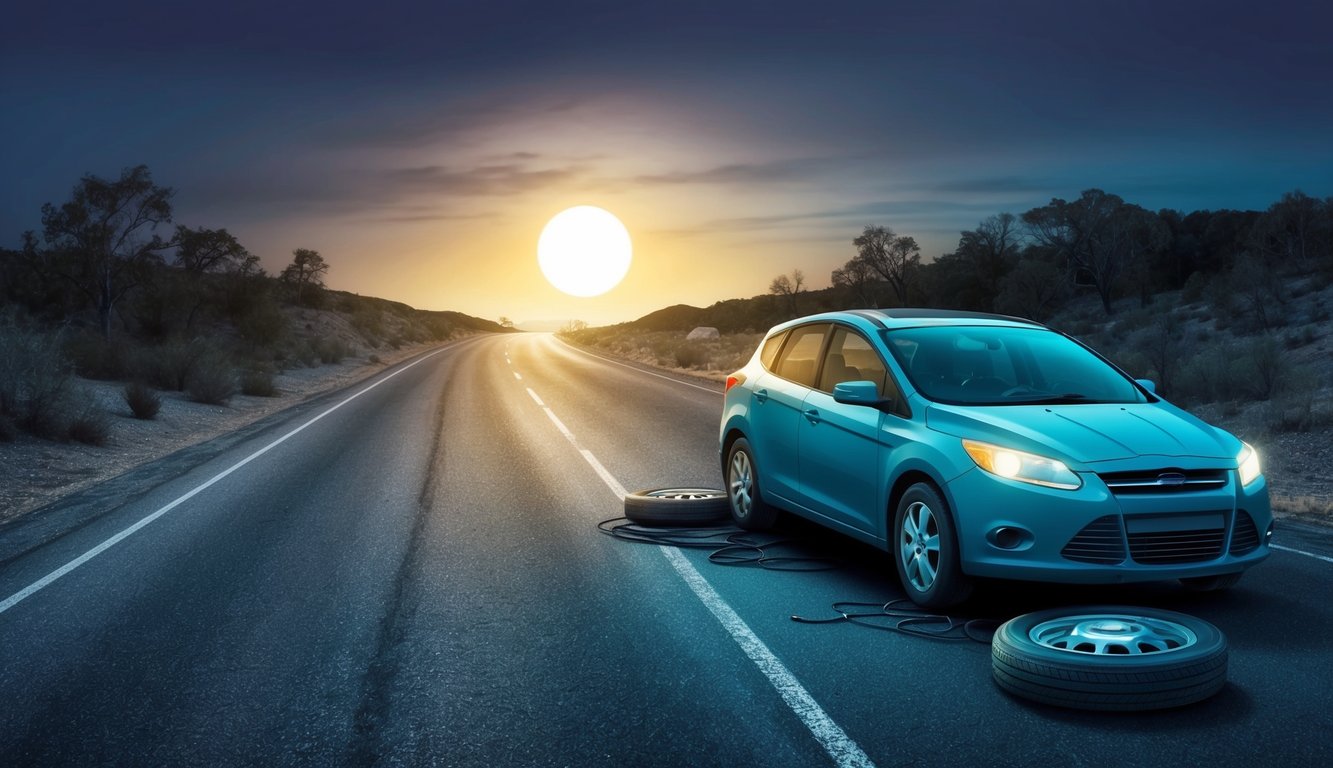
{"x": 983, "y": 365}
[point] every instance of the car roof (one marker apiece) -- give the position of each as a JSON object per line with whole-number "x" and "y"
{"x": 910, "y": 317}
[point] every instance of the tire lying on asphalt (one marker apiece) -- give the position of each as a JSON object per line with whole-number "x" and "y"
{"x": 677, "y": 506}
{"x": 1111, "y": 658}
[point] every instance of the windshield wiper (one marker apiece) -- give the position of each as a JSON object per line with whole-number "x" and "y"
{"x": 1061, "y": 399}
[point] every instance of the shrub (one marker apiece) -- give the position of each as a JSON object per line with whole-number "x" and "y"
{"x": 262, "y": 324}
{"x": 144, "y": 403}
{"x": 332, "y": 350}
{"x": 35, "y": 381}
{"x": 212, "y": 380}
{"x": 90, "y": 425}
{"x": 689, "y": 355}
{"x": 170, "y": 365}
{"x": 374, "y": 360}
{"x": 258, "y": 383}
{"x": 96, "y": 358}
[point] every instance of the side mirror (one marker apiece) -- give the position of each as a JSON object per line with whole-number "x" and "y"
{"x": 1147, "y": 384}
{"x": 858, "y": 393}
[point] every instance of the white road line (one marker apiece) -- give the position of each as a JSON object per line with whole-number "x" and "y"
{"x": 836, "y": 742}
{"x": 633, "y": 368}
{"x": 520, "y": 378}
{"x": 1325, "y": 558}
{"x": 51, "y": 577}
{"x": 844, "y": 751}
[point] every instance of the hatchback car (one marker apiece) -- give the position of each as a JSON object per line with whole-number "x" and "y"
{"x": 975, "y": 445}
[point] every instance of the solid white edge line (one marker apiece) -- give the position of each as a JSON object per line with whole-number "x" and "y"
{"x": 632, "y": 368}
{"x": 844, "y": 751}
{"x": 51, "y": 577}
{"x": 1325, "y": 558}
{"x": 835, "y": 741}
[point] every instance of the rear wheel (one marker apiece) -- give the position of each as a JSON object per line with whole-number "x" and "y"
{"x": 925, "y": 550}
{"x": 748, "y": 509}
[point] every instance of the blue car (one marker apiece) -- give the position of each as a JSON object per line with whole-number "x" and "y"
{"x": 976, "y": 445}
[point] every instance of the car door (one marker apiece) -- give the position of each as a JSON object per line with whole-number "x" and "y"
{"x": 779, "y": 396}
{"x": 839, "y": 445}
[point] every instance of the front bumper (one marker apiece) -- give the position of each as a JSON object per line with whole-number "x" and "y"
{"x": 1013, "y": 530}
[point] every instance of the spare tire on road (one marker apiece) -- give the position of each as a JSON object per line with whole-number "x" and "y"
{"x": 1109, "y": 658}
{"x": 677, "y": 507}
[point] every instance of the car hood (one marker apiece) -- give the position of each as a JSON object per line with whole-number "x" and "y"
{"x": 1087, "y": 433}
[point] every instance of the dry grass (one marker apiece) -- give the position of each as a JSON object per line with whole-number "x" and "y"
{"x": 669, "y": 350}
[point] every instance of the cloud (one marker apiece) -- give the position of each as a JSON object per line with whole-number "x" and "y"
{"x": 795, "y": 169}
{"x": 480, "y": 181}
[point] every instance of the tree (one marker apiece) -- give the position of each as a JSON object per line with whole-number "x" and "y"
{"x": 212, "y": 250}
{"x": 789, "y": 287}
{"x": 307, "y": 269}
{"x": 894, "y": 258}
{"x": 1099, "y": 235}
{"x": 101, "y": 242}
{"x": 505, "y": 322}
{"x": 858, "y": 277}
{"x": 969, "y": 278}
{"x": 1034, "y": 288}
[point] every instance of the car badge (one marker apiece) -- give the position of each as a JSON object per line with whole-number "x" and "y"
{"x": 1171, "y": 479}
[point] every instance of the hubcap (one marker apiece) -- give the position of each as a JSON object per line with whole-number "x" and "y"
{"x": 919, "y": 546}
{"x": 740, "y": 484}
{"x": 1112, "y": 635}
{"x": 685, "y": 493}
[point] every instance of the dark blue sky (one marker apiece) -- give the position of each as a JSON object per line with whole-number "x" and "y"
{"x": 421, "y": 147}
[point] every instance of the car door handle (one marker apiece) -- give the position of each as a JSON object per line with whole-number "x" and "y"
{"x": 812, "y": 415}
{"x": 761, "y": 396}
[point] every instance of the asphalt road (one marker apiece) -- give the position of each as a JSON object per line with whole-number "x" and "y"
{"x": 409, "y": 573}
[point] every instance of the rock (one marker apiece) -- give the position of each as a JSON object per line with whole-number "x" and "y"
{"x": 702, "y": 333}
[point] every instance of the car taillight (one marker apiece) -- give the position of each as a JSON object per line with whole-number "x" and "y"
{"x": 734, "y": 379}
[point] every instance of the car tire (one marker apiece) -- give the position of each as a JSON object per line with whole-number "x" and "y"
{"x": 677, "y": 507}
{"x": 932, "y": 576}
{"x": 1031, "y": 658}
{"x": 744, "y": 498}
{"x": 1211, "y": 583}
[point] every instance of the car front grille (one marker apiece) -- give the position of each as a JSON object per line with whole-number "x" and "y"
{"x": 1099, "y": 542}
{"x": 1160, "y": 548}
{"x": 1164, "y": 481}
{"x": 1246, "y": 537}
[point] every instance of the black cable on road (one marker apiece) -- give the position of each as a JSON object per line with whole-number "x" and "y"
{"x": 903, "y": 616}
{"x": 730, "y": 545}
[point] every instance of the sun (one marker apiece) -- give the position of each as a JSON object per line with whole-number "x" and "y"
{"x": 584, "y": 251}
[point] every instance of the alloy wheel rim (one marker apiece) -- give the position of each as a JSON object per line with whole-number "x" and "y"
{"x": 919, "y": 545}
{"x": 1113, "y": 634}
{"x": 685, "y": 493}
{"x": 741, "y": 484}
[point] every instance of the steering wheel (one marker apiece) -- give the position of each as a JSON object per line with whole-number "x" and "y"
{"x": 1018, "y": 390}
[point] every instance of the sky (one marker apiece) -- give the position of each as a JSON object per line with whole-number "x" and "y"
{"x": 422, "y": 147}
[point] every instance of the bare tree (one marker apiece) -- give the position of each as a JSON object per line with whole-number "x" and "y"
{"x": 306, "y": 270}
{"x": 101, "y": 242}
{"x": 894, "y": 258}
{"x": 790, "y": 287}
{"x": 1032, "y": 289}
{"x": 505, "y": 322}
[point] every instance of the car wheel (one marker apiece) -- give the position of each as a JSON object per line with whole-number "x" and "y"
{"x": 1109, "y": 658}
{"x": 677, "y": 506}
{"x": 1210, "y": 583}
{"x": 748, "y": 509}
{"x": 926, "y": 550}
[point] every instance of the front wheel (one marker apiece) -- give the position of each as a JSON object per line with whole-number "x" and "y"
{"x": 748, "y": 509}
{"x": 925, "y": 549}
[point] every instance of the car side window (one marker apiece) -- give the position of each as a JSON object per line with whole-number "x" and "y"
{"x": 850, "y": 357}
{"x": 800, "y": 355}
{"x": 769, "y": 354}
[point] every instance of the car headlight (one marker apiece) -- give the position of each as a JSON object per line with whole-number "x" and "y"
{"x": 1017, "y": 465}
{"x": 1247, "y": 464}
